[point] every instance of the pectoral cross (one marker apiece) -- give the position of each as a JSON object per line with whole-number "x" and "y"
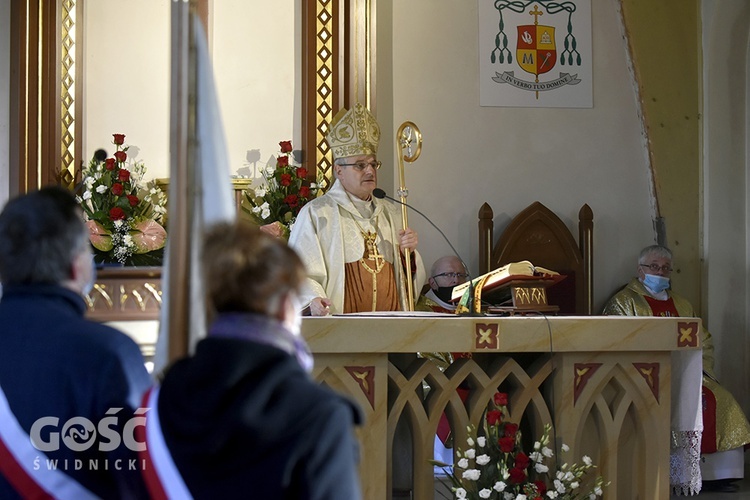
{"x": 371, "y": 250}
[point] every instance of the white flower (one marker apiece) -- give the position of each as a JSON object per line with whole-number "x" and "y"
{"x": 471, "y": 453}
{"x": 265, "y": 213}
{"x": 256, "y": 210}
{"x": 552, "y": 494}
{"x": 565, "y": 447}
{"x": 587, "y": 460}
{"x": 598, "y": 491}
{"x": 89, "y": 182}
{"x": 485, "y": 493}
{"x": 313, "y": 185}
{"x": 483, "y": 459}
{"x": 86, "y": 195}
{"x": 481, "y": 441}
{"x": 460, "y": 493}
{"x": 569, "y": 476}
{"x": 101, "y": 189}
{"x": 499, "y": 486}
{"x": 592, "y": 496}
{"x": 535, "y": 456}
{"x": 537, "y": 445}
{"x": 128, "y": 240}
{"x": 471, "y": 474}
{"x": 547, "y": 452}
{"x": 470, "y": 441}
{"x": 521, "y": 496}
{"x": 574, "y": 485}
{"x": 559, "y": 486}
{"x": 260, "y": 192}
{"x": 463, "y": 463}
{"x": 97, "y": 176}
{"x": 541, "y": 468}
{"x": 508, "y": 496}
{"x": 117, "y": 224}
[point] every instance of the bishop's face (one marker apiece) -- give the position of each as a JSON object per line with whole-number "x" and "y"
{"x": 359, "y": 183}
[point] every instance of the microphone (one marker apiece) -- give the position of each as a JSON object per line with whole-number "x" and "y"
{"x": 380, "y": 194}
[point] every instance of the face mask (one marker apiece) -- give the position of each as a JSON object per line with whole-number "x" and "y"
{"x": 444, "y": 293}
{"x": 656, "y": 283}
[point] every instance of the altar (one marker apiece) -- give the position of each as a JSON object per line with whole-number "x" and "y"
{"x": 603, "y": 382}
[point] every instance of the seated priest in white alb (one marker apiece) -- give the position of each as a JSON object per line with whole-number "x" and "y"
{"x": 445, "y": 274}
{"x": 353, "y": 244}
{"x": 725, "y": 428}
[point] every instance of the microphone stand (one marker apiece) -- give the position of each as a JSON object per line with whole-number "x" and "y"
{"x": 380, "y": 194}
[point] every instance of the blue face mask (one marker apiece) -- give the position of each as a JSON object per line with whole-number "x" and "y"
{"x": 656, "y": 283}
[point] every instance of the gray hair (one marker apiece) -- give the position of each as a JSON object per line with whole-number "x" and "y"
{"x": 656, "y": 251}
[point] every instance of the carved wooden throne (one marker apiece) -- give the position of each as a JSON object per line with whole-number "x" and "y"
{"x": 538, "y": 235}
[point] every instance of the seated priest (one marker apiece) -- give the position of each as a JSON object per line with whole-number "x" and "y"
{"x": 725, "y": 428}
{"x": 242, "y": 417}
{"x": 445, "y": 274}
{"x": 351, "y": 243}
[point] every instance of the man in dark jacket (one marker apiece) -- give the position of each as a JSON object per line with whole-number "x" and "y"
{"x": 69, "y": 387}
{"x": 242, "y": 418}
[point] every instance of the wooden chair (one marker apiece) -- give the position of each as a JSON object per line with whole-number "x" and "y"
{"x": 539, "y": 236}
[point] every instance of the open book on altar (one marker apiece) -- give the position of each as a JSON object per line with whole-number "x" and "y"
{"x": 515, "y": 271}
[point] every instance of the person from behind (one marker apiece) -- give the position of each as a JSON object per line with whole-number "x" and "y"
{"x": 68, "y": 386}
{"x": 242, "y": 417}
{"x": 445, "y": 274}
{"x": 725, "y": 428}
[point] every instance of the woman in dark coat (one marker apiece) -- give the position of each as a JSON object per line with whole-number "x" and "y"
{"x": 242, "y": 417}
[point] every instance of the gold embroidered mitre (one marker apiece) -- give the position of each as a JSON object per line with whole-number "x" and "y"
{"x": 354, "y": 132}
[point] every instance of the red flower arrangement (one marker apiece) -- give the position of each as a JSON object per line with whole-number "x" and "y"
{"x": 494, "y": 466}
{"x": 124, "y": 216}
{"x": 274, "y": 206}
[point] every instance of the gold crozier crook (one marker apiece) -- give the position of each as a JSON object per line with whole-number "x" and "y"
{"x": 408, "y": 138}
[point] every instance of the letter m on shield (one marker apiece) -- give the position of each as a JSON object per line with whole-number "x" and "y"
{"x": 536, "y": 52}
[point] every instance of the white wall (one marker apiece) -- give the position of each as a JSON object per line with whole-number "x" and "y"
{"x": 511, "y": 157}
{"x": 4, "y": 100}
{"x": 726, "y": 39}
{"x": 127, "y": 91}
{"x": 253, "y": 47}
{"x": 127, "y": 79}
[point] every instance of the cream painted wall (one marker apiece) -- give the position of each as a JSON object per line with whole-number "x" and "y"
{"x": 127, "y": 91}
{"x": 4, "y": 100}
{"x": 511, "y": 157}
{"x": 253, "y": 46}
{"x": 127, "y": 79}
{"x": 726, "y": 245}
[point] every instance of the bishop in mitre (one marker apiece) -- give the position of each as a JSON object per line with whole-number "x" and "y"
{"x": 353, "y": 244}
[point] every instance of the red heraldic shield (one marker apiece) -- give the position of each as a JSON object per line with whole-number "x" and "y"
{"x": 536, "y": 52}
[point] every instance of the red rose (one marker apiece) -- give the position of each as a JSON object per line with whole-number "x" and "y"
{"x": 119, "y": 139}
{"x": 117, "y": 213}
{"x": 494, "y": 417}
{"x": 301, "y": 172}
{"x": 121, "y": 156}
{"x": 511, "y": 430}
{"x": 501, "y": 399}
{"x": 286, "y": 146}
{"x": 133, "y": 200}
{"x": 282, "y": 161}
{"x": 522, "y": 460}
{"x": 541, "y": 487}
{"x": 109, "y": 164}
{"x": 506, "y": 444}
{"x": 117, "y": 189}
{"x": 291, "y": 200}
{"x": 517, "y": 476}
{"x": 286, "y": 179}
{"x": 123, "y": 175}
{"x": 304, "y": 192}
